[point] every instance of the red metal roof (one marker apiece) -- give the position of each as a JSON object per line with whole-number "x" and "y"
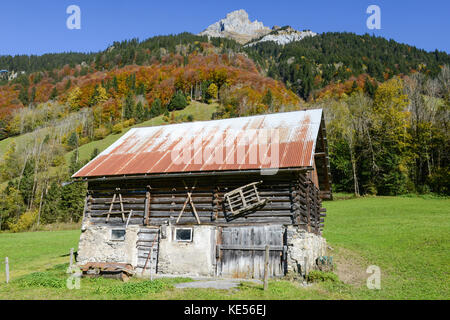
{"x": 272, "y": 141}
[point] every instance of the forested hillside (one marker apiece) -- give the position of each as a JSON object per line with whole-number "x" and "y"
{"x": 311, "y": 64}
{"x": 386, "y": 106}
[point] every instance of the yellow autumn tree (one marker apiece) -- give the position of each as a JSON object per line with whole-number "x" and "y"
{"x": 74, "y": 99}
{"x": 212, "y": 91}
{"x": 99, "y": 96}
{"x": 390, "y": 137}
{"x": 391, "y": 115}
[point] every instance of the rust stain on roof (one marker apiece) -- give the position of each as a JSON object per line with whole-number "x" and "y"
{"x": 281, "y": 140}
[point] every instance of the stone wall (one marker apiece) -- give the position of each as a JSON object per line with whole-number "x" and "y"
{"x": 196, "y": 258}
{"x": 303, "y": 250}
{"x": 96, "y": 245}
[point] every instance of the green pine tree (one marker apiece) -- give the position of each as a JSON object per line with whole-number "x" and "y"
{"x": 27, "y": 182}
{"x": 139, "y": 112}
{"x": 128, "y": 110}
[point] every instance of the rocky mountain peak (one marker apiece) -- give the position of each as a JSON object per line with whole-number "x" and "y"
{"x": 238, "y": 26}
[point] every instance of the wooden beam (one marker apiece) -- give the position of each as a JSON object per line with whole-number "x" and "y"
{"x": 249, "y": 247}
{"x": 147, "y": 207}
{"x": 320, "y": 154}
{"x": 184, "y": 206}
{"x": 193, "y": 208}
{"x": 111, "y": 207}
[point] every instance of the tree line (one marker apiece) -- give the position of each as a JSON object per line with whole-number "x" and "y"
{"x": 394, "y": 143}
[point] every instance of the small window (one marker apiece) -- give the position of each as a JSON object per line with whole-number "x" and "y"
{"x": 183, "y": 235}
{"x": 118, "y": 234}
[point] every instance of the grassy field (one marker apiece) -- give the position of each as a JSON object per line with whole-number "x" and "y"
{"x": 408, "y": 238}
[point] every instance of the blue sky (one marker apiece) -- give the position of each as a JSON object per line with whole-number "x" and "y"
{"x": 39, "y": 26}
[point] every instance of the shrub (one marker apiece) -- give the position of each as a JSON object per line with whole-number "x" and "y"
{"x": 25, "y": 222}
{"x": 100, "y": 133}
{"x": 84, "y": 140}
{"x": 117, "y": 128}
{"x": 129, "y": 123}
{"x": 135, "y": 287}
{"x": 321, "y": 276}
{"x": 41, "y": 280}
{"x": 178, "y": 102}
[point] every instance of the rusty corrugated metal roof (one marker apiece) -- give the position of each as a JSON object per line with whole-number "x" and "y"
{"x": 281, "y": 140}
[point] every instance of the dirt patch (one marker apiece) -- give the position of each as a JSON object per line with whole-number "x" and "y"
{"x": 350, "y": 267}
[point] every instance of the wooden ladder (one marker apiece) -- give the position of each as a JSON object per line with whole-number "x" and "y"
{"x": 244, "y": 199}
{"x": 122, "y": 210}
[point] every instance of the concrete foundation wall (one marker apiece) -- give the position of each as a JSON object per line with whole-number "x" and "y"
{"x": 303, "y": 250}
{"x": 196, "y": 258}
{"x": 96, "y": 246}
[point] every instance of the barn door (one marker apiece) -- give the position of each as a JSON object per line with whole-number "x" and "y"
{"x": 241, "y": 250}
{"x": 147, "y": 250}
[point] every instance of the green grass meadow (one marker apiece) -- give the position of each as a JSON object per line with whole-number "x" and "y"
{"x": 407, "y": 237}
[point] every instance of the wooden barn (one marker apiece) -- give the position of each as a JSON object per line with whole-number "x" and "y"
{"x": 205, "y": 198}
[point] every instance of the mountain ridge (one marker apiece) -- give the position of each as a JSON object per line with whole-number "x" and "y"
{"x": 237, "y": 26}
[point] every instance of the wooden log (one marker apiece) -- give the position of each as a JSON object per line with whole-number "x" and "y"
{"x": 308, "y": 209}
{"x": 178, "y": 207}
{"x": 147, "y": 207}
{"x": 100, "y": 213}
{"x": 127, "y": 207}
{"x": 98, "y": 200}
{"x": 115, "y": 221}
{"x": 250, "y": 247}
{"x": 179, "y": 200}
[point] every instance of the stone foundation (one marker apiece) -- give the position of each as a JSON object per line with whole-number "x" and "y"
{"x": 96, "y": 246}
{"x": 303, "y": 249}
{"x": 193, "y": 258}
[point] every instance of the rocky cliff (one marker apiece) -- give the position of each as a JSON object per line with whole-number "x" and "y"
{"x": 238, "y": 26}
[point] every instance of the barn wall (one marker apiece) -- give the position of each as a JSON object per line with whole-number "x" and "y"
{"x": 292, "y": 201}
{"x": 96, "y": 245}
{"x": 159, "y": 201}
{"x": 209, "y": 254}
{"x": 196, "y": 258}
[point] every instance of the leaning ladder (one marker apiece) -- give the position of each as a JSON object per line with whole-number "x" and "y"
{"x": 244, "y": 199}
{"x": 122, "y": 210}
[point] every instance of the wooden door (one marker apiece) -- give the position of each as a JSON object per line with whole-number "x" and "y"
{"x": 147, "y": 243}
{"x": 241, "y": 250}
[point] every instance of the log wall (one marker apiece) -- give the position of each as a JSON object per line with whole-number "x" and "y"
{"x": 292, "y": 200}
